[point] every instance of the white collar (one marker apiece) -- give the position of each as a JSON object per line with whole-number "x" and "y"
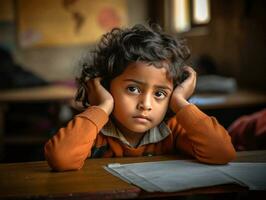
{"x": 153, "y": 135}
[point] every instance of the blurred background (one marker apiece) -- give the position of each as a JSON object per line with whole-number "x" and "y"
{"x": 42, "y": 43}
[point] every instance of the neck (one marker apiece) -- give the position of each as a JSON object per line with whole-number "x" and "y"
{"x": 133, "y": 138}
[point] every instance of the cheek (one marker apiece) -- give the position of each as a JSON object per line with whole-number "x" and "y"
{"x": 161, "y": 110}
{"x": 121, "y": 102}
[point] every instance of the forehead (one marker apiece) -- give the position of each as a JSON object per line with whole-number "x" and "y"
{"x": 147, "y": 73}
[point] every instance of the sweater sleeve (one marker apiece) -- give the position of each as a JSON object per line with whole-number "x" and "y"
{"x": 71, "y": 145}
{"x": 202, "y": 136}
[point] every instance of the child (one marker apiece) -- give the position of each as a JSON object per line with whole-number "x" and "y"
{"x": 133, "y": 78}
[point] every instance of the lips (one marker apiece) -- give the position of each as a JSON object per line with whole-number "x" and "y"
{"x": 142, "y": 117}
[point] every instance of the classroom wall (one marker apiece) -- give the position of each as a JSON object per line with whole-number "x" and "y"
{"x": 236, "y": 41}
{"x": 59, "y": 62}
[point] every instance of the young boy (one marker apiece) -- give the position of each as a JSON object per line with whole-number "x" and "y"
{"x": 128, "y": 88}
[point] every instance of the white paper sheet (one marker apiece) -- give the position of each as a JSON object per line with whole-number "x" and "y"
{"x": 252, "y": 175}
{"x": 178, "y": 175}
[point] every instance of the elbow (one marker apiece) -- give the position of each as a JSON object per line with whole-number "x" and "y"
{"x": 227, "y": 153}
{"x": 218, "y": 156}
{"x": 225, "y": 157}
{"x": 60, "y": 161}
{"x": 228, "y": 156}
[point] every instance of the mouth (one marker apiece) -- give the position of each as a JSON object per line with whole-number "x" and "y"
{"x": 142, "y": 118}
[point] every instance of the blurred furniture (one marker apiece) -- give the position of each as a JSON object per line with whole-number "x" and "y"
{"x": 34, "y": 180}
{"x": 44, "y": 93}
{"x": 240, "y": 98}
{"x": 228, "y": 107}
{"x": 55, "y": 94}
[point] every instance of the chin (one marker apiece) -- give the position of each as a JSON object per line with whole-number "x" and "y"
{"x": 139, "y": 129}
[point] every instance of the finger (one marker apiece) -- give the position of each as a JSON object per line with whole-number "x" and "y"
{"x": 97, "y": 82}
{"x": 92, "y": 83}
{"x": 192, "y": 73}
{"x": 189, "y": 69}
{"x": 188, "y": 74}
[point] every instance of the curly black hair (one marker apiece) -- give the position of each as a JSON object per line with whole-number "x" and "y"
{"x": 120, "y": 47}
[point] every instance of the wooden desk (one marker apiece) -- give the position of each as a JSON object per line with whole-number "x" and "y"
{"x": 34, "y": 180}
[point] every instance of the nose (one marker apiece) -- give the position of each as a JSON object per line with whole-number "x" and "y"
{"x": 145, "y": 103}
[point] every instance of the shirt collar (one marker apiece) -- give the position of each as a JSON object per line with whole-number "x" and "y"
{"x": 153, "y": 135}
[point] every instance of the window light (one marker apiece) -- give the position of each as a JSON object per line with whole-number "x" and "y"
{"x": 201, "y": 11}
{"x": 181, "y": 15}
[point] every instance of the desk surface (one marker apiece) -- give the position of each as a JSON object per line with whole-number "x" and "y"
{"x": 34, "y": 180}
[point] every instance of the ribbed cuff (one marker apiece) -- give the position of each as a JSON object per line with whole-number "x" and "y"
{"x": 95, "y": 115}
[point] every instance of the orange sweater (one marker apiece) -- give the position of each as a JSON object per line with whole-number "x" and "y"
{"x": 192, "y": 132}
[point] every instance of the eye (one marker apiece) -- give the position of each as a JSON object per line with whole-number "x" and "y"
{"x": 133, "y": 89}
{"x": 160, "y": 94}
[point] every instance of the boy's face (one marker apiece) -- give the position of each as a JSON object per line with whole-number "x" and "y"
{"x": 141, "y": 95}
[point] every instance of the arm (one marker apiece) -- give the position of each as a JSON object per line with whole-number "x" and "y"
{"x": 71, "y": 145}
{"x": 198, "y": 134}
{"x": 201, "y": 136}
{"x": 69, "y": 148}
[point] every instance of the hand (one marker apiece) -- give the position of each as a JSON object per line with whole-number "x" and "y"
{"x": 183, "y": 91}
{"x": 99, "y": 96}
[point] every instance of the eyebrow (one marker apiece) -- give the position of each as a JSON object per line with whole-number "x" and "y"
{"x": 142, "y": 83}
